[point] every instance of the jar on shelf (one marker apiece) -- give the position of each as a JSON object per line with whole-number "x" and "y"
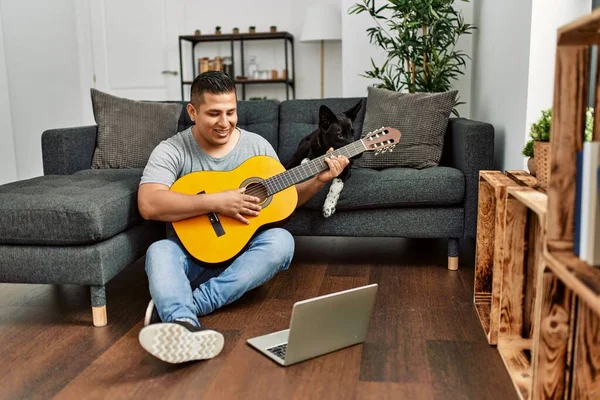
{"x": 228, "y": 66}
{"x": 204, "y": 64}
{"x": 218, "y": 63}
{"x": 252, "y": 68}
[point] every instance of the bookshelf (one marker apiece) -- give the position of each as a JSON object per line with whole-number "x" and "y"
{"x": 562, "y": 358}
{"x": 536, "y": 300}
{"x": 288, "y": 50}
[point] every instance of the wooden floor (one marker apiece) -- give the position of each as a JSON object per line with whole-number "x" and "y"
{"x": 424, "y": 341}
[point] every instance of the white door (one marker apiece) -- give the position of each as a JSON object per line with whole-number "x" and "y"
{"x": 135, "y": 51}
{"x": 8, "y": 165}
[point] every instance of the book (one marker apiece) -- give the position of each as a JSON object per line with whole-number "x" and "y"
{"x": 589, "y": 214}
{"x": 577, "y": 211}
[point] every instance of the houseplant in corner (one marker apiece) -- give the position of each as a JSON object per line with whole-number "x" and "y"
{"x": 537, "y": 147}
{"x": 420, "y": 38}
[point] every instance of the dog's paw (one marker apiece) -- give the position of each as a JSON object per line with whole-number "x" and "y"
{"x": 328, "y": 211}
{"x": 305, "y": 161}
{"x": 332, "y": 197}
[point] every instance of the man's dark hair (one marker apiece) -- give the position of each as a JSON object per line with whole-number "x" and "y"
{"x": 214, "y": 82}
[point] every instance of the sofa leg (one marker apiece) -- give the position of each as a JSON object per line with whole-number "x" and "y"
{"x": 98, "y": 294}
{"x": 453, "y": 254}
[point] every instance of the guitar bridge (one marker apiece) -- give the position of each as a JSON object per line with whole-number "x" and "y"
{"x": 215, "y": 222}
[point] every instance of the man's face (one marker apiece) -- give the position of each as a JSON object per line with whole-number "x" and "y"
{"x": 215, "y": 117}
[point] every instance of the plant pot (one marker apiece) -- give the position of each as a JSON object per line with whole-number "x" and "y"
{"x": 273, "y": 29}
{"x": 541, "y": 151}
{"x": 236, "y": 31}
{"x": 531, "y": 166}
{"x": 251, "y": 30}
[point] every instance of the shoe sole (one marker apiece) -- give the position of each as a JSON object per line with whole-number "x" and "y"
{"x": 148, "y": 315}
{"x": 175, "y": 344}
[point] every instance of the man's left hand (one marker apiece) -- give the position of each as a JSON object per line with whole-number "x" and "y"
{"x": 336, "y": 166}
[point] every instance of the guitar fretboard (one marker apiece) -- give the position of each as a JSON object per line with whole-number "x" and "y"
{"x": 309, "y": 169}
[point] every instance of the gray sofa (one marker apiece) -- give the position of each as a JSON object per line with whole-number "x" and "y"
{"x": 77, "y": 225}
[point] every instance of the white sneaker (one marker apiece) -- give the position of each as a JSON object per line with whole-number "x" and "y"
{"x": 179, "y": 341}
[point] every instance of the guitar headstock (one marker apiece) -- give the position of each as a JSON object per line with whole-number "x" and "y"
{"x": 382, "y": 139}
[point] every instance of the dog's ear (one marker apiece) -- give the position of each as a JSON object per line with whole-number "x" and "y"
{"x": 353, "y": 112}
{"x": 326, "y": 117}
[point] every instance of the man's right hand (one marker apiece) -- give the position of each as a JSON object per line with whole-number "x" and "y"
{"x": 235, "y": 204}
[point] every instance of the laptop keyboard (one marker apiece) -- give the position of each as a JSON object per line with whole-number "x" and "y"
{"x": 279, "y": 351}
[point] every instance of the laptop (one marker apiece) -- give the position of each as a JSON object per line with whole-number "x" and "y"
{"x": 320, "y": 325}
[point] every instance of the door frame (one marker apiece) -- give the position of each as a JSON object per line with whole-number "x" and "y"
{"x": 86, "y": 59}
{"x": 9, "y": 164}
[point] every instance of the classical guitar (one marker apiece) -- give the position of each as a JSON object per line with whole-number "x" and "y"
{"x": 215, "y": 238}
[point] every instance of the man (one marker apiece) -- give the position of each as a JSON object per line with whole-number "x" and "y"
{"x": 171, "y": 329}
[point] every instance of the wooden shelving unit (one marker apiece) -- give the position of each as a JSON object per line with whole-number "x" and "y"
{"x": 523, "y": 259}
{"x": 488, "y": 257}
{"x": 491, "y": 261}
{"x": 241, "y": 39}
{"x": 549, "y": 326}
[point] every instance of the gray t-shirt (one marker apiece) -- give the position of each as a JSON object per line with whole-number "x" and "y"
{"x": 180, "y": 155}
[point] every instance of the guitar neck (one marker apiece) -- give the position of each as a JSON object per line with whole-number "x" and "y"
{"x": 309, "y": 169}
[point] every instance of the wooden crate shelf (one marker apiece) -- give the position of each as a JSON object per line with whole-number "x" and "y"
{"x": 557, "y": 354}
{"x": 516, "y": 355}
{"x": 580, "y": 277}
{"x": 489, "y": 258}
{"x": 522, "y": 263}
{"x": 522, "y": 260}
{"x": 523, "y": 178}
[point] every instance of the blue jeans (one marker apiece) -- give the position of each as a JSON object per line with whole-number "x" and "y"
{"x": 173, "y": 273}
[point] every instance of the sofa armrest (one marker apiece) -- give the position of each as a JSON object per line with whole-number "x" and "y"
{"x": 471, "y": 149}
{"x": 65, "y": 151}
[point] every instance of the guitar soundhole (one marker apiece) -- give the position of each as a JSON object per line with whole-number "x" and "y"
{"x": 257, "y": 189}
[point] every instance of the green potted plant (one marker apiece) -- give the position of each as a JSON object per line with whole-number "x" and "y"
{"x": 537, "y": 147}
{"x": 273, "y": 28}
{"x": 419, "y": 37}
{"x": 217, "y": 30}
{"x": 236, "y": 30}
{"x": 252, "y": 29}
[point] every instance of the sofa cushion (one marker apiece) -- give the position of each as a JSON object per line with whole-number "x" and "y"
{"x": 86, "y": 207}
{"x": 422, "y": 118}
{"x": 396, "y": 187}
{"x": 128, "y": 130}
{"x": 299, "y": 118}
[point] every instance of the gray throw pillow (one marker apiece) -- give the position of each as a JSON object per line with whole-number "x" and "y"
{"x": 128, "y": 130}
{"x": 421, "y": 118}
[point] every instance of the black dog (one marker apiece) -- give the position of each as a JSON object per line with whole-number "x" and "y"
{"x": 334, "y": 131}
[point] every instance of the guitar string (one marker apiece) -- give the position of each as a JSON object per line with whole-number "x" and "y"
{"x": 277, "y": 179}
{"x": 281, "y": 178}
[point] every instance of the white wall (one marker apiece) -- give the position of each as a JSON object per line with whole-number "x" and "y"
{"x": 500, "y": 75}
{"x": 40, "y": 43}
{"x": 513, "y": 78}
{"x": 357, "y": 53}
{"x": 8, "y": 166}
{"x": 288, "y": 15}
